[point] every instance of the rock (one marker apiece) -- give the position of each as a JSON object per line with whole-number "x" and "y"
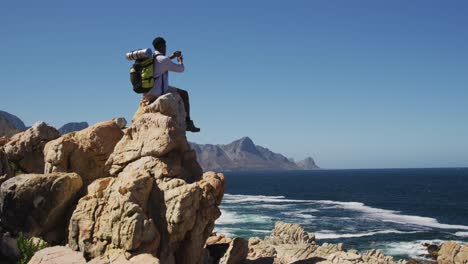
{"x": 6, "y": 171}
{"x": 9, "y": 247}
{"x": 4, "y": 140}
{"x": 236, "y": 253}
{"x": 84, "y": 152}
{"x": 122, "y": 259}
{"x": 286, "y": 233}
{"x": 258, "y": 249}
{"x": 157, "y": 201}
{"x": 25, "y": 149}
{"x": 35, "y": 204}
{"x": 57, "y": 255}
{"x": 453, "y": 253}
{"x": 156, "y": 131}
{"x": 7, "y": 125}
{"x": 216, "y": 238}
{"x": 120, "y": 122}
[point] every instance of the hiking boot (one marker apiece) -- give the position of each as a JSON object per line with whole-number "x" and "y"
{"x": 191, "y": 127}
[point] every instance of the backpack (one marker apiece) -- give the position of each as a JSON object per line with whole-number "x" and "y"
{"x": 141, "y": 74}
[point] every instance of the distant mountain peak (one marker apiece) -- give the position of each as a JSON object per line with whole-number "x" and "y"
{"x": 243, "y": 154}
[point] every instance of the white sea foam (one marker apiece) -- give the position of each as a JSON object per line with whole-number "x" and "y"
{"x": 413, "y": 249}
{"x": 370, "y": 212}
{"x": 260, "y": 231}
{"x": 392, "y": 216}
{"x": 240, "y": 198}
{"x": 298, "y": 215}
{"x": 324, "y": 234}
{"x": 462, "y": 234}
{"x": 230, "y": 218}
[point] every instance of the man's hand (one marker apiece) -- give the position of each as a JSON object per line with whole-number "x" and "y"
{"x": 180, "y": 59}
{"x": 175, "y": 54}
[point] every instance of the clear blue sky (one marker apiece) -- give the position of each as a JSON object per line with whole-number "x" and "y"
{"x": 354, "y": 84}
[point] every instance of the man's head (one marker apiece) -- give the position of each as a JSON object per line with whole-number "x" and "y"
{"x": 159, "y": 44}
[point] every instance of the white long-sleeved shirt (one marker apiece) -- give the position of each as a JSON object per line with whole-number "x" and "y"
{"x": 162, "y": 66}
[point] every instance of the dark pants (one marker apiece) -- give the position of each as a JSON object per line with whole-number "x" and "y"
{"x": 185, "y": 98}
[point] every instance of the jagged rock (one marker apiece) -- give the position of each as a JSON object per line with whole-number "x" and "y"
{"x": 84, "y": 152}
{"x": 9, "y": 247}
{"x": 157, "y": 130}
{"x": 25, "y": 149}
{"x": 453, "y": 253}
{"x": 353, "y": 257}
{"x": 4, "y": 140}
{"x": 57, "y": 255}
{"x": 122, "y": 259}
{"x": 259, "y": 249}
{"x": 35, "y": 204}
{"x": 216, "y": 238}
{"x": 6, "y": 171}
{"x": 113, "y": 217}
{"x": 159, "y": 202}
{"x": 286, "y": 233}
{"x": 236, "y": 253}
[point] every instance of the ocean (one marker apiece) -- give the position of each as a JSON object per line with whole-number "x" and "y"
{"x": 394, "y": 210}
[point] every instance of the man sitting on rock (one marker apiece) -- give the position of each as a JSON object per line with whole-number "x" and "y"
{"x": 162, "y": 66}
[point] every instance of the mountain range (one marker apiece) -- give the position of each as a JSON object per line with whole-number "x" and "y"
{"x": 243, "y": 154}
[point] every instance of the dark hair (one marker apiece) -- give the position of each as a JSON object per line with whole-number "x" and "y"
{"x": 158, "y": 42}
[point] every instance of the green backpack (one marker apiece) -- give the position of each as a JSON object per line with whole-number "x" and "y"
{"x": 142, "y": 74}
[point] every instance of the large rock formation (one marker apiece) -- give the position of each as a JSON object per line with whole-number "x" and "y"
{"x": 453, "y": 253}
{"x": 25, "y": 149}
{"x": 84, "y": 152}
{"x": 36, "y": 204}
{"x": 158, "y": 201}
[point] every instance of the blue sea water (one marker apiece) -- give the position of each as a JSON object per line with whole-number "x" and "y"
{"x": 394, "y": 210}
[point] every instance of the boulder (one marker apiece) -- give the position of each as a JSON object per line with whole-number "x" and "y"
{"x": 158, "y": 129}
{"x": 157, "y": 200}
{"x": 36, "y": 204}
{"x": 286, "y": 233}
{"x": 122, "y": 259}
{"x": 8, "y": 247}
{"x": 6, "y": 171}
{"x": 25, "y": 149}
{"x": 57, "y": 255}
{"x": 84, "y": 152}
{"x": 236, "y": 253}
{"x": 453, "y": 253}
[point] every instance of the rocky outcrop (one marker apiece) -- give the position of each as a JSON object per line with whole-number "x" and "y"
{"x": 289, "y": 243}
{"x": 25, "y": 149}
{"x": 57, "y": 255}
{"x": 157, "y": 200}
{"x": 72, "y": 127}
{"x": 452, "y": 253}
{"x": 36, "y": 204}
{"x": 236, "y": 253}
{"x": 84, "y": 152}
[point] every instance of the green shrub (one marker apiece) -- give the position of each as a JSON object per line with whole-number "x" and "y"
{"x": 28, "y": 247}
